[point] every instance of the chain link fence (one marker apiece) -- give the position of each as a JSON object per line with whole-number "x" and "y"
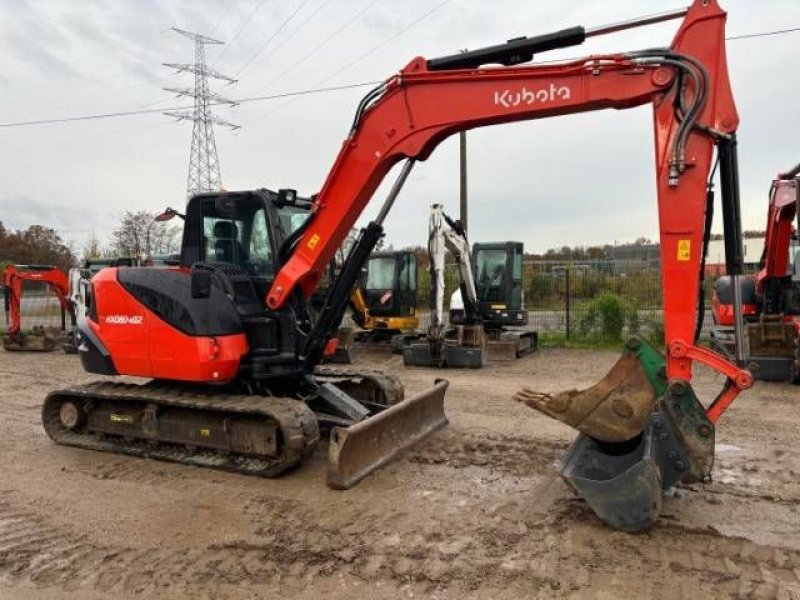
{"x": 39, "y": 307}
{"x": 588, "y": 302}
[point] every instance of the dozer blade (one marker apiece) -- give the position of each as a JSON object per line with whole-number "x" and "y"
{"x": 616, "y": 408}
{"x": 360, "y": 449}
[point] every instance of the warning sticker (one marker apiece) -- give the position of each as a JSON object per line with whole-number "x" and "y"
{"x": 313, "y": 241}
{"x": 684, "y": 250}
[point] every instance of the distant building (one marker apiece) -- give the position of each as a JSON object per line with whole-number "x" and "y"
{"x": 634, "y": 256}
{"x": 715, "y": 259}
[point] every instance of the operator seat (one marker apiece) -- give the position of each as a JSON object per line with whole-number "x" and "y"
{"x": 227, "y": 248}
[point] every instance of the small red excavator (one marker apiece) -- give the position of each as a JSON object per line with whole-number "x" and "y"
{"x": 771, "y": 299}
{"x": 232, "y": 352}
{"x": 40, "y": 338}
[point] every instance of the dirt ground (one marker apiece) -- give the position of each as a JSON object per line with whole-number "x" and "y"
{"x": 477, "y": 510}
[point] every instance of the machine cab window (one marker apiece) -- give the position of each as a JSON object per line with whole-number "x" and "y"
{"x": 239, "y": 235}
{"x": 380, "y": 273}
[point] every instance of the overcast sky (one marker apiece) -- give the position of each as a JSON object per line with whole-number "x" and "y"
{"x": 576, "y": 180}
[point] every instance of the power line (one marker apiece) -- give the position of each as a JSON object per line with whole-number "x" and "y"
{"x": 222, "y": 16}
{"x": 316, "y": 48}
{"x": 286, "y": 40}
{"x": 131, "y": 113}
{"x": 762, "y": 34}
{"x": 370, "y": 51}
{"x": 280, "y": 28}
{"x": 384, "y": 42}
{"x": 241, "y": 29}
{"x": 303, "y": 92}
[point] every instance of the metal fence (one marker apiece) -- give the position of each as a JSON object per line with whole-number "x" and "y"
{"x": 39, "y": 307}
{"x": 587, "y": 302}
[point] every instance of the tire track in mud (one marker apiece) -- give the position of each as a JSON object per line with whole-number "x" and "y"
{"x": 35, "y": 551}
{"x": 291, "y": 540}
{"x": 729, "y": 565}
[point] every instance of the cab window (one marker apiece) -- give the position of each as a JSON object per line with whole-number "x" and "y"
{"x": 240, "y": 238}
{"x": 380, "y": 273}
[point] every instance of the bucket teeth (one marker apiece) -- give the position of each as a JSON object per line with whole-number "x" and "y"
{"x": 613, "y": 410}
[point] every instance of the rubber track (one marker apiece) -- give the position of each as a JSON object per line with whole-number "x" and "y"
{"x": 298, "y": 425}
{"x": 390, "y": 385}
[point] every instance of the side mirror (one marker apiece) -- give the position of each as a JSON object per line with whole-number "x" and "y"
{"x": 168, "y": 214}
{"x": 201, "y": 284}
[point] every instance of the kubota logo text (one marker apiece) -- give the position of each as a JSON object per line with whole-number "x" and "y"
{"x": 510, "y": 99}
{"x": 124, "y": 320}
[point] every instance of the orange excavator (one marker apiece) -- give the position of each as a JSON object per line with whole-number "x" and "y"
{"x": 771, "y": 299}
{"x": 232, "y": 354}
{"x": 40, "y": 339}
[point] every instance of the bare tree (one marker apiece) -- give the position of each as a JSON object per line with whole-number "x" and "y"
{"x": 139, "y": 234}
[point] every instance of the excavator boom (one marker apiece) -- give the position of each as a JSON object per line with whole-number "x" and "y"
{"x": 693, "y": 109}
{"x": 688, "y": 88}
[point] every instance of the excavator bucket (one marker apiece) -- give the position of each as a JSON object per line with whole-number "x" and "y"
{"x": 36, "y": 340}
{"x": 366, "y": 446}
{"x": 622, "y": 479}
{"x": 616, "y": 408}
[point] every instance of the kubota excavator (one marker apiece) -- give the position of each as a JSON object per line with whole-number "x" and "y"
{"x": 771, "y": 299}
{"x": 41, "y": 338}
{"x": 234, "y": 377}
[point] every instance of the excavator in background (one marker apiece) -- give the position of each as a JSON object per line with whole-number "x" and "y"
{"x": 464, "y": 345}
{"x": 770, "y": 299}
{"x": 383, "y": 305}
{"x": 232, "y": 353}
{"x": 497, "y": 267}
{"x": 41, "y": 338}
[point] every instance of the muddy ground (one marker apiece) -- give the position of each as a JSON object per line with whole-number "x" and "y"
{"x": 478, "y": 510}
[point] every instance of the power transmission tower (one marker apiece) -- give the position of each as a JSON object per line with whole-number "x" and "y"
{"x": 204, "y": 174}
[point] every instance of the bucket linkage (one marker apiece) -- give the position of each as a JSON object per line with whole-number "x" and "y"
{"x": 640, "y": 435}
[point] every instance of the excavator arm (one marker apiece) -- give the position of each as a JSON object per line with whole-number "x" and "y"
{"x": 688, "y": 88}
{"x": 643, "y": 428}
{"x": 14, "y": 276}
{"x": 444, "y": 234}
{"x": 781, "y": 214}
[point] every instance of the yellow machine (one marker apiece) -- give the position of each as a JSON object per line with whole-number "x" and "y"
{"x": 383, "y": 306}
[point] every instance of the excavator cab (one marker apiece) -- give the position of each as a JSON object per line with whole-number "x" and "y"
{"x": 383, "y": 305}
{"x": 500, "y": 300}
{"x": 243, "y": 229}
{"x": 498, "y": 279}
{"x": 390, "y": 284}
